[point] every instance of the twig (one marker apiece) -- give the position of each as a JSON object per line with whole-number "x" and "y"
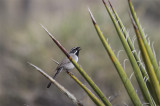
{"x": 55, "y": 61}
{"x": 60, "y": 87}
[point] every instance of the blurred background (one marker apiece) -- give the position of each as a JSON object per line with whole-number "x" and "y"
{"x": 23, "y": 40}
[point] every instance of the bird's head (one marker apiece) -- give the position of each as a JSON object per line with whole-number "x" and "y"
{"x": 75, "y": 50}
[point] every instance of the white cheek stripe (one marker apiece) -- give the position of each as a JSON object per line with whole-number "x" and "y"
{"x": 75, "y": 52}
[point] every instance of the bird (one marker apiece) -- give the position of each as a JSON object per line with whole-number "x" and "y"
{"x": 66, "y": 64}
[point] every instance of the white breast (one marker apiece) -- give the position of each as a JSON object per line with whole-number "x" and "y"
{"x": 69, "y": 65}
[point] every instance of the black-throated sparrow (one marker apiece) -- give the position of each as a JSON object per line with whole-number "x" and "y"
{"x": 66, "y": 64}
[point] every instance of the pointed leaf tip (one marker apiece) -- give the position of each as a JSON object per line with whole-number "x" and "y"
{"x": 43, "y": 27}
{"x": 93, "y": 20}
{"x": 47, "y": 32}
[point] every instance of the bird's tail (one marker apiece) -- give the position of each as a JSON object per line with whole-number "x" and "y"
{"x": 49, "y": 84}
{"x": 58, "y": 71}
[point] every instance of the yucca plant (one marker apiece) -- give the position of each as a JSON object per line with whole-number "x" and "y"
{"x": 148, "y": 77}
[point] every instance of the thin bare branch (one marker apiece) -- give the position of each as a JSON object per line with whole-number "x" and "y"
{"x": 55, "y": 61}
{"x": 60, "y": 87}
